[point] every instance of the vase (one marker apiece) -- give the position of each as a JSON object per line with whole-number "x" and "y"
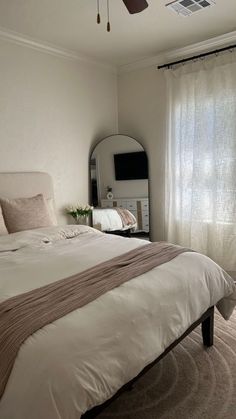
{"x": 109, "y": 195}
{"x": 82, "y": 219}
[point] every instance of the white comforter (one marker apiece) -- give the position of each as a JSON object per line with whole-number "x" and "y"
{"x": 83, "y": 358}
{"x": 110, "y": 220}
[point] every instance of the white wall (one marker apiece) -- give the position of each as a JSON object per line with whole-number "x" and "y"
{"x": 104, "y": 153}
{"x": 51, "y": 111}
{"x": 142, "y": 114}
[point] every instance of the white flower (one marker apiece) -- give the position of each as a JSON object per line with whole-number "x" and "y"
{"x": 79, "y": 210}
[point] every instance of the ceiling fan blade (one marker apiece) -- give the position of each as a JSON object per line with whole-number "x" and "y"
{"x": 135, "y": 6}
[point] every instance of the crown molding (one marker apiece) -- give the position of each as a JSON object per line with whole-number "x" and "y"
{"x": 165, "y": 57}
{"x": 23, "y": 40}
{"x": 162, "y": 58}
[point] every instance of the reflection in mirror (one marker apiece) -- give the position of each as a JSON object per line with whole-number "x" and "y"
{"x": 119, "y": 187}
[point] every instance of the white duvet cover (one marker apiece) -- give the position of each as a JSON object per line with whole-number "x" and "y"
{"x": 83, "y": 358}
{"x": 110, "y": 220}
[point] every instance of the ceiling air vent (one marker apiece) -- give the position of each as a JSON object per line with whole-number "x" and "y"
{"x": 188, "y": 7}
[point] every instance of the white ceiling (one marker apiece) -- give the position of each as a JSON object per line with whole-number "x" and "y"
{"x": 71, "y": 24}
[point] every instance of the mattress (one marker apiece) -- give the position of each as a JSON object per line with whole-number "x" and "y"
{"x": 110, "y": 220}
{"x": 82, "y": 359}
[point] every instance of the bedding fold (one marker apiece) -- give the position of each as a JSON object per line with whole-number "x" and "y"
{"x": 24, "y": 314}
{"x": 126, "y": 216}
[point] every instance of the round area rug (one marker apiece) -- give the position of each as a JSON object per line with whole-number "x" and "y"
{"x": 189, "y": 383}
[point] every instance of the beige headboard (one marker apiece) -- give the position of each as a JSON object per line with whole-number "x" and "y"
{"x": 25, "y": 184}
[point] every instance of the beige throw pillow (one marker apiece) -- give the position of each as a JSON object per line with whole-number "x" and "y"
{"x": 3, "y": 229}
{"x": 25, "y": 213}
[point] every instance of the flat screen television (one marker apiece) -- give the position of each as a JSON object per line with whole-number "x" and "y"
{"x": 131, "y": 166}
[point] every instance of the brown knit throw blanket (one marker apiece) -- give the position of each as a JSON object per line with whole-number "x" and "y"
{"x": 24, "y": 314}
{"x": 126, "y": 216}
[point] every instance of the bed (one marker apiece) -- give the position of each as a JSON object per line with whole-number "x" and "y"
{"x": 114, "y": 220}
{"x": 82, "y": 359}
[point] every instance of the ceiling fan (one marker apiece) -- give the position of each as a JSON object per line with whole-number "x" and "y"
{"x": 133, "y": 6}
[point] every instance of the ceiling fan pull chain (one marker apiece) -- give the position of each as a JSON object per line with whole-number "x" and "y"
{"x": 98, "y": 12}
{"x": 108, "y": 17}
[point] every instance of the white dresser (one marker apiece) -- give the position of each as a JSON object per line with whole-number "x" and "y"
{"x": 138, "y": 206}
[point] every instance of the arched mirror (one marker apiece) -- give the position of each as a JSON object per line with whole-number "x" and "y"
{"x": 120, "y": 187}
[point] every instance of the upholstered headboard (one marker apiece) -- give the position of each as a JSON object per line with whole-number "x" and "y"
{"x": 25, "y": 184}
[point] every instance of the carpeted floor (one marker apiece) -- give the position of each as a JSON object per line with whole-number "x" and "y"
{"x": 189, "y": 383}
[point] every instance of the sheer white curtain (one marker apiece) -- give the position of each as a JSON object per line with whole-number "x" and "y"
{"x": 201, "y": 158}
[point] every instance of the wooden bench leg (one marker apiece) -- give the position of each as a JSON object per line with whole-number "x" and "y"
{"x": 208, "y": 330}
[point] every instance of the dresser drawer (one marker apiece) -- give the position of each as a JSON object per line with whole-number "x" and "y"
{"x": 121, "y": 203}
{"x": 145, "y": 216}
{"x": 146, "y": 227}
{"x": 134, "y": 213}
{"x": 145, "y": 221}
{"x": 145, "y": 205}
{"x": 131, "y": 205}
{"x": 106, "y": 204}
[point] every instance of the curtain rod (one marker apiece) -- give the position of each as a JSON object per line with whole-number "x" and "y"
{"x": 195, "y": 57}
